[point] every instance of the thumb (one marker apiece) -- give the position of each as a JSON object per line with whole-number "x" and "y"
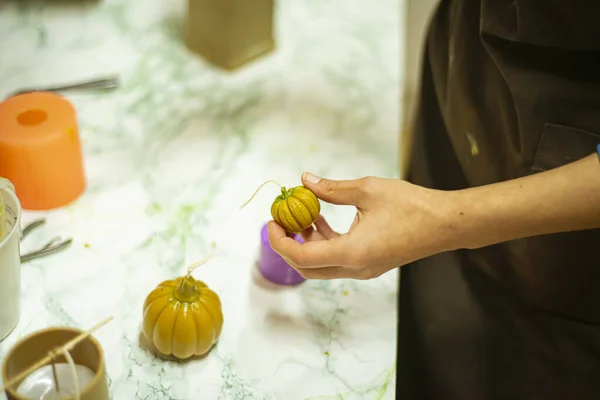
{"x": 348, "y": 192}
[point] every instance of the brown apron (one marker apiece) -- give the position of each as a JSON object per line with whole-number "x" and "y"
{"x": 509, "y": 88}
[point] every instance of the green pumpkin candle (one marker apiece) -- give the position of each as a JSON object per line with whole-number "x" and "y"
{"x": 295, "y": 209}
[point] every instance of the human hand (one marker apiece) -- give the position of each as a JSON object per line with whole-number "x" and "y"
{"x": 396, "y": 223}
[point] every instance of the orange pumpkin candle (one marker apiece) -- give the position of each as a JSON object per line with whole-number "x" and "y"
{"x": 183, "y": 317}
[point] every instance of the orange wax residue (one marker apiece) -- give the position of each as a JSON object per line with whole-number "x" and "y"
{"x": 40, "y": 151}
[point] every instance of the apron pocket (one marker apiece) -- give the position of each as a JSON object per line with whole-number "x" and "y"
{"x": 561, "y": 145}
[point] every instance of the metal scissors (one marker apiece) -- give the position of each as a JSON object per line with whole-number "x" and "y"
{"x": 53, "y": 246}
{"x": 110, "y": 82}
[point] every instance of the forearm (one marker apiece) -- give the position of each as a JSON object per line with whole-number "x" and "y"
{"x": 559, "y": 200}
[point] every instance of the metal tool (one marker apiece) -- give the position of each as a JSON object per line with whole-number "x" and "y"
{"x": 96, "y": 84}
{"x": 53, "y": 246}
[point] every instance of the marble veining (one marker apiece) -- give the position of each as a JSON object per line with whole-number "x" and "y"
{"x": 172, "y": 154}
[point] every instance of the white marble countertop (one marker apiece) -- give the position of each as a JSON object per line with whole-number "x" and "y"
{"x": 169, "y": 158}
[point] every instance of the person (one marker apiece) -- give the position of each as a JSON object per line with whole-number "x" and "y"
{"x": 497, "y": 226}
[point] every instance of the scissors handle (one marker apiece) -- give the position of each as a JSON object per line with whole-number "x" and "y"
{"x": 53, "y": 246}
{"x": 97, "y": 84}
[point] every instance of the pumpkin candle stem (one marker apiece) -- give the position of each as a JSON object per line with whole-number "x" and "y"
{"x": 285, "y": 193}
{"x": 260, "y": 187}
{"x": 187, "y": 288}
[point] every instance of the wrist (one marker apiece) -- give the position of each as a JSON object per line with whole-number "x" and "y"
{"x": 471, "y": 219}
{"x": 455, "y": 219}
{"x": 559, "y": 200}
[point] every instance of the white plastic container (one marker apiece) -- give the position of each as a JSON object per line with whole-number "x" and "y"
{"x": 10, "y": 262}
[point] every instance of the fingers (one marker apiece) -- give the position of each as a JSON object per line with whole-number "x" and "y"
{"x": 310, "y": 234}
{"x": 328, "y": 273}
{"x": 320, "y": 259}
{"x": 347, "y": 192}
{"x": 315, "y": 254}
{"x": 324, "y": 229}
{"x": 325, "y": 273}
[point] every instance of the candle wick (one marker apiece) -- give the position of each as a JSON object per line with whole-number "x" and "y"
{"x": 73, "y": 372}
{"x": 256, "y": 192}
{"x": 195, "y": 265}
{"x": 54, "y": 374}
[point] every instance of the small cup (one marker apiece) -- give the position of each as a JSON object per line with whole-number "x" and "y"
{"x": 272, "y": 266}
{"x": 10, "y": 262}
{"x": 33, "y": 348}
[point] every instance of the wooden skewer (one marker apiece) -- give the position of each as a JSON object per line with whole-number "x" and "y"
{"x": 67, "y": 346}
